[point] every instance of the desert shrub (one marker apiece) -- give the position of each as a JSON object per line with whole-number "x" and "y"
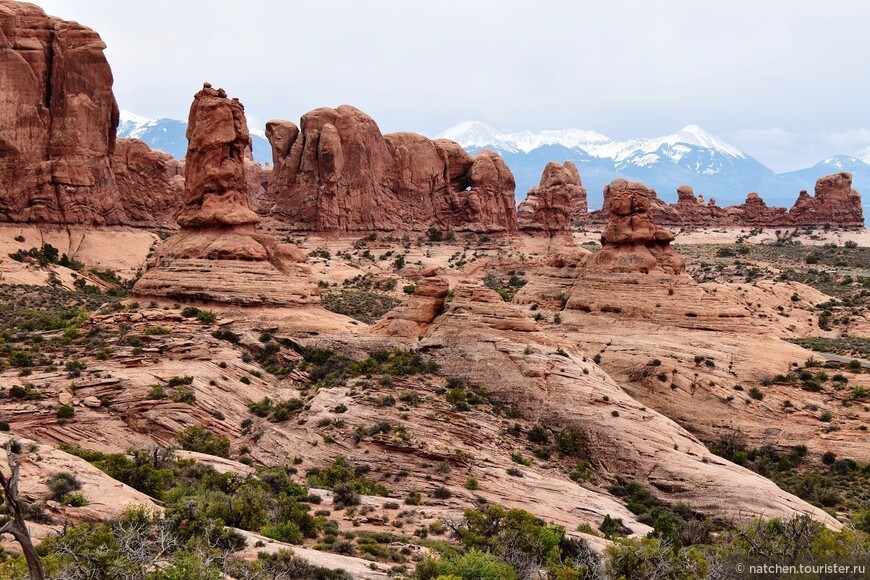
{"x": 198, "y": 438}
{"x": 62, "y": 483}
{"x": 339, "y": 472}
{"x": 227, "y": 334}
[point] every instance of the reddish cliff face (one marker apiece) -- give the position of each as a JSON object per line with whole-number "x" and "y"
{"x": 150, "y": 184}
{"x": 337, "y": 172}
{"x": 59, "y": 160}
{"x": 550, "y": 207}
{"x": 218, "y": 256}
{"x": 57, "y": 121}
{"x": 835, "y": 202}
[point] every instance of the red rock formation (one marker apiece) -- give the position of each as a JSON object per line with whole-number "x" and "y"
{"x": 550, "y": 207}
{"x": 691, "y": 210}
{"x": 150, "y": 184}
{"x": 57, "y": 121}
{"x": 754, "y": 212}
{"x": 258, "y": 179}
{"x": 835, "y": 202}
{"x": 216, "y": 189}
{"x": 631, "y": 241}
{"x": 59, "y": 161}
{"x": 217, "y": 255}
{"x": 338, "y": 172}
{"x": 637, "y": 274}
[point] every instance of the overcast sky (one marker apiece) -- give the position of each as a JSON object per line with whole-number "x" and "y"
{"x": 784, "y": 80}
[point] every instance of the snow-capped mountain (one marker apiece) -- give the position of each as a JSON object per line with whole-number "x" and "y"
{"x": 476, "y": 134}
{"x": 710, "y": 165}
{"x": 471, "y": 134}
{"x": 859, "y": 169}
{"x": 169, "y": 135}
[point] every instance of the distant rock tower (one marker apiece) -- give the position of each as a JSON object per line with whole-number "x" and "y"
{"x": 637, "y": 274}
{"x": 550, "y": 207}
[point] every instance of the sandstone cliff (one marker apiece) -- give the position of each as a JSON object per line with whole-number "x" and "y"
{"x": 150, "y": 184}
{"x": 337, "y": 172}
{"x": 59, "y": 160}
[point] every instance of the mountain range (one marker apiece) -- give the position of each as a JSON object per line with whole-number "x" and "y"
{"x": 693, "y": 156}
{"x": 169, "y": 135}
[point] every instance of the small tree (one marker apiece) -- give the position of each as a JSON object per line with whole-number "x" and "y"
{"x": 17, "y": 526}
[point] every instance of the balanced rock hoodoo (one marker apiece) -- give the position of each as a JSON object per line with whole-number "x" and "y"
{"x": 637, "y": 273}
{"x": 218, "y": 255}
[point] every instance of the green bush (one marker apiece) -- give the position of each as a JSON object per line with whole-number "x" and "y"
{"x": 475, "y": 565}
{"x": 283, "y": 532}
{"x": 198, "y": 438}
{"x": 339, "y": 472}
{"x": 227, "y": 334}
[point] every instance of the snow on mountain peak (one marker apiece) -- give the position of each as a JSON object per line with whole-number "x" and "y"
{"x": 695, "y": 135}
{"x": 128, "y": 117}
{"x": 477, "y": 134}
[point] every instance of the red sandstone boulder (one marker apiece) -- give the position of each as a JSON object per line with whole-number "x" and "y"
{"x": 549, "y": 207}
{"x": 412, "y": 318}
{"x": 337, "y": 172}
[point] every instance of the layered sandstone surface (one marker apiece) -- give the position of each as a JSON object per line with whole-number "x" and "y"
{"x": 337, "y": 172}
{"x": 487, "y": 342}
{"x": 218, "y": 255}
